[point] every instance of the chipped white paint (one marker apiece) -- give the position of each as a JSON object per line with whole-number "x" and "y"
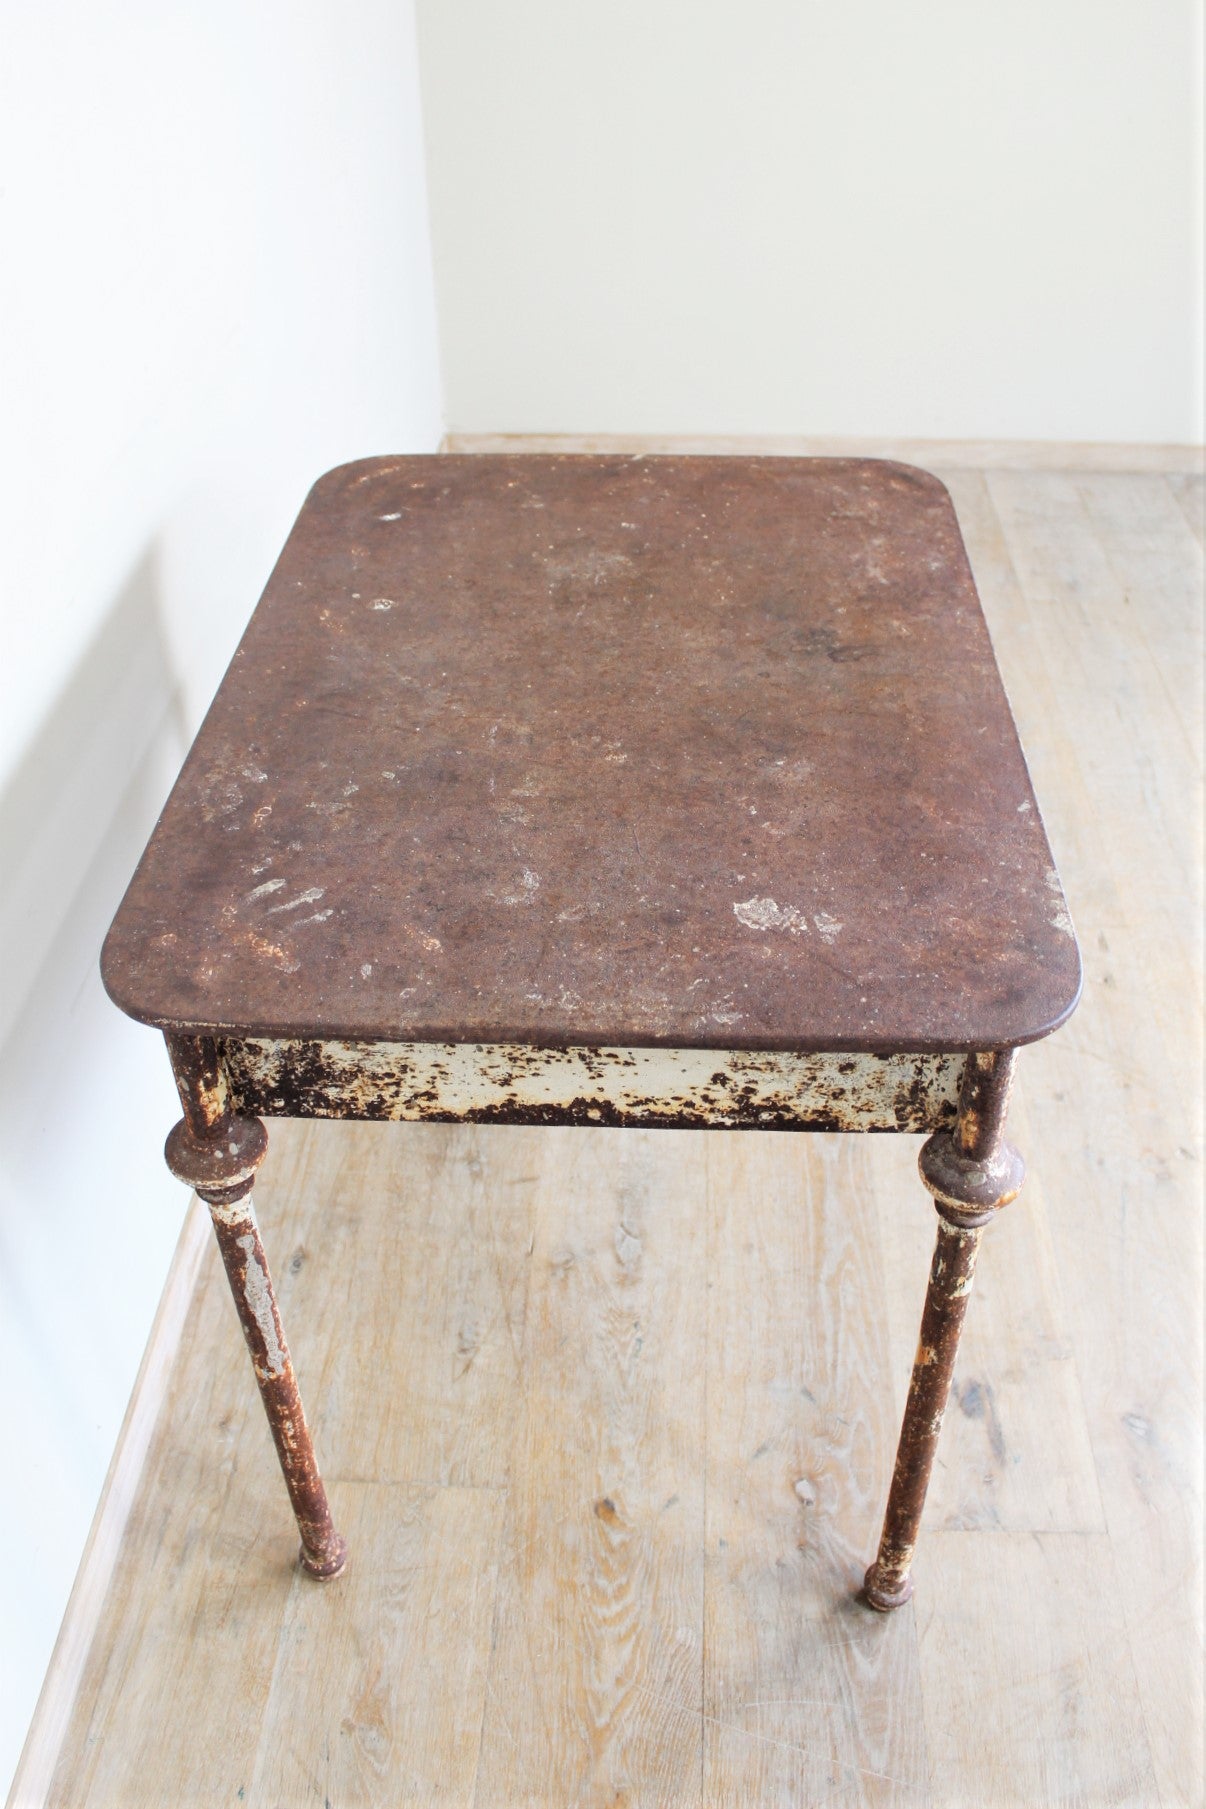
{"x": 376, "y": 471}
{"x": 529, "y": 885}
{"x": 395, "y": 515}
{"x": 828, "y": 927}
{"x": 262, "y": 891}
{"x": 383, "y": 603}
{"x": 575, "y": 913}
{"x": 311, "y": 895}
{"x": 258, "y": 1295}
{"x": 765, "y": 914}
{"x": 220, "y": 797}
{"x": 707, "y": 1087}
{"x": 234, "y": 1212}
{"x": 1061, "y": 917}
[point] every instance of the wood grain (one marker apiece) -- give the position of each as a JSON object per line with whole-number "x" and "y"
{"x": 75, "y": 1643}
{"x": 808, "y": 1697}
{"x": 597, "y": 1650}
{"x": 378, "y": 1687}
{"x": 1189, "y": 488}
{"x": 1023, "y": 1640}
{"x": 186, "y": 1664}
{"x": 1126, "y": 673}
{"x": 1114, "y": 1103}
{"x": 425, "y": 1242}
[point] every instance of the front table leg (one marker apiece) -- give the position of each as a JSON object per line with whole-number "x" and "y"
{"x": 218, "y": 1154}
{"x": 972, "y": 1172}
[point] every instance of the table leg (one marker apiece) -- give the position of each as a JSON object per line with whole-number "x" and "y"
{"x": 972, "y": 1172}
{"x": 217, "y": 1153}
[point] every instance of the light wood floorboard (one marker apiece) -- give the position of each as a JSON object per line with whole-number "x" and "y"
{"x": 597, "y": 1644}
{"x": 609, "y": 1417}
{"x": 807, "y": 1697}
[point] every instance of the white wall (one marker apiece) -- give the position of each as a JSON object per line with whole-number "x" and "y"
{"x": 946, "y": 218}
{"x": 215, "y": 283}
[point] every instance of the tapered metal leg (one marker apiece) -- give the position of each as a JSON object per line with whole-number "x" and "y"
{"x": 972, "y": 1172}
{"x": 218, "y": 1154}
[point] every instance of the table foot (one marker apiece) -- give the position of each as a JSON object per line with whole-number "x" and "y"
{"x": 332, "y": 1565}
{"x": 878, "y": 1595}
{"x": 218, "y": 1154}
{"x": 972, "y": 1173}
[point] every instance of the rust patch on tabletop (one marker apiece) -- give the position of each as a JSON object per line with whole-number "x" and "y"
{"x": 608, "y": 752}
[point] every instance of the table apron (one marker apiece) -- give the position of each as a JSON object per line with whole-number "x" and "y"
{"x": 500, "y": 1083}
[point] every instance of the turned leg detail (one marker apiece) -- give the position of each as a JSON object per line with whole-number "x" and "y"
{"x": 218, "y": 1154}
{"x": 972, "y": 1172}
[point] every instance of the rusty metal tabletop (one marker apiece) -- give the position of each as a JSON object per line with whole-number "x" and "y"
{"x": 689, "y": 752}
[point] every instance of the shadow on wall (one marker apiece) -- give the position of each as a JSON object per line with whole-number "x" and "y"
{"x": 70, "y": 790}
{"x": 84, "y": 1197}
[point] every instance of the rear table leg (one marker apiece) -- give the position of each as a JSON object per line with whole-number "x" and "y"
{"x": 972, "y": 1172}
{"x": 218, "y": 1154}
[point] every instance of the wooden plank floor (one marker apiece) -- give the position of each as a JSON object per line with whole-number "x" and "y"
{"x": 608, "y": 1417}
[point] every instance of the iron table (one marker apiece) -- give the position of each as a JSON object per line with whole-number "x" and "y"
{"x": 626, "y": 791}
